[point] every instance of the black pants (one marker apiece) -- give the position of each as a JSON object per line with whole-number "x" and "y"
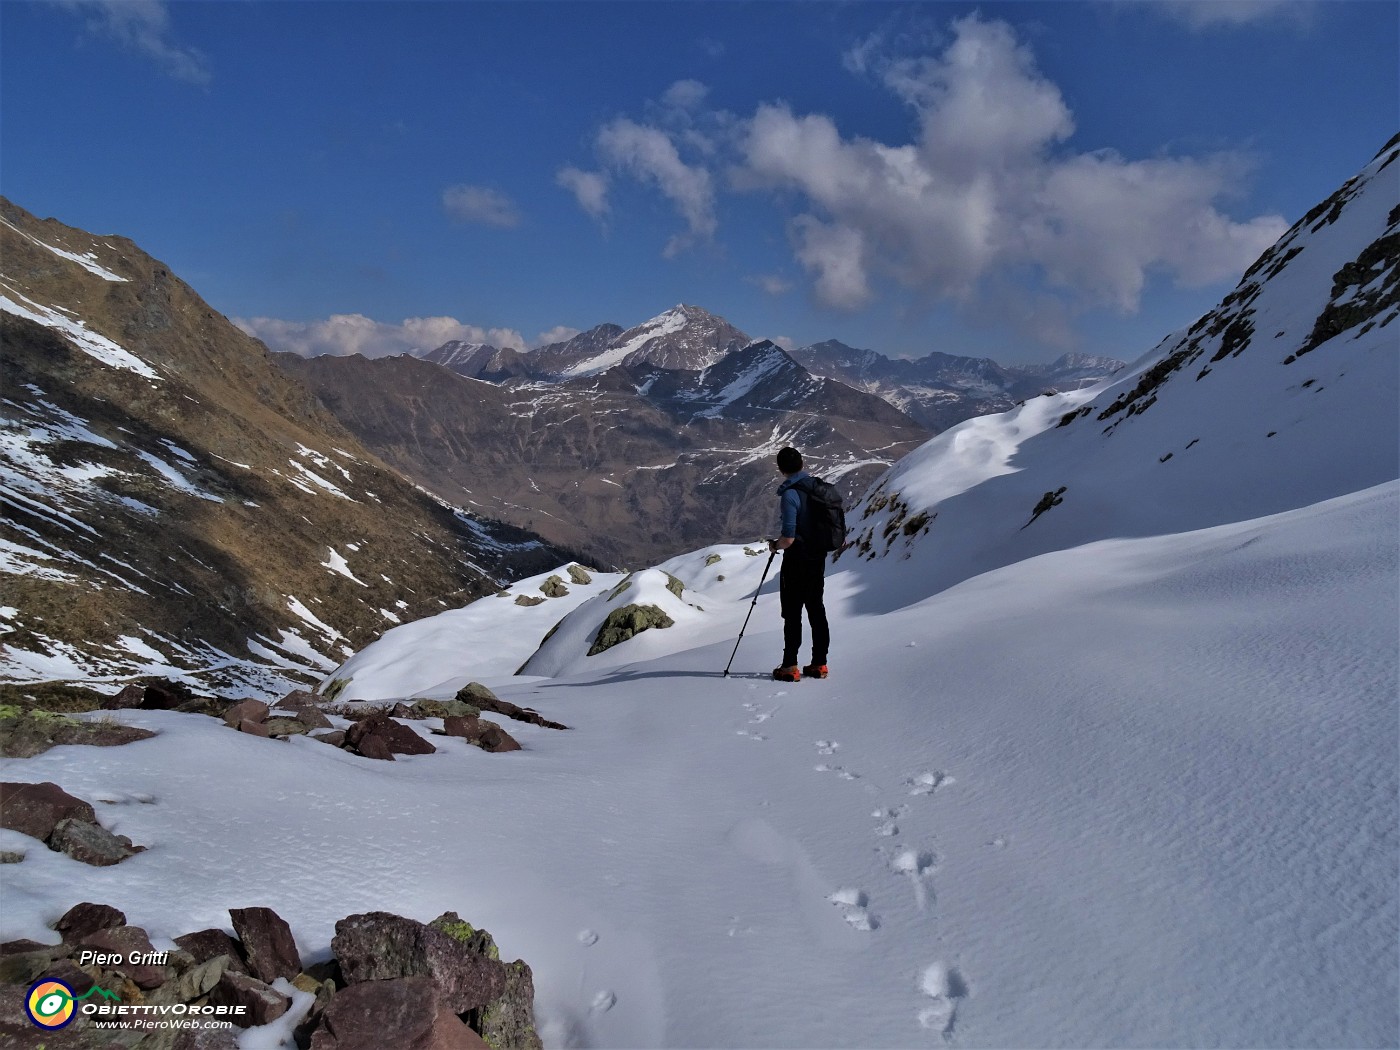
{"x": 800, "y": 586}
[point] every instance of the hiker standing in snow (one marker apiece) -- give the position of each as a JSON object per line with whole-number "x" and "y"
{"x": 802, "y": 579}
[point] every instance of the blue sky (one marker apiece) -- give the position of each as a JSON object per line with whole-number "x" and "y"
{"x": 1013, "y": 180}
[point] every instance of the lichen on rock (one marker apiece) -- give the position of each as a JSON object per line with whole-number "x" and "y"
{"x": 627, "y": 622}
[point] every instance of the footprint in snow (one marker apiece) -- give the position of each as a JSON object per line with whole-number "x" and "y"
{"x": 917, "y": 865}
{"x": 587, "y": 937}
{"x": 840, "y": 771}
{"x": 603, "y": 1002}
{"x": 944, "y": 985}
{"x": 751, "y": 736}
{"x": 827, "y": 747}
{"x": 853, "y": 904}
{"x": 927, "y": 783}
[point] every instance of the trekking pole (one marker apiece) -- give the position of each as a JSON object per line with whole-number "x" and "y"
{"x": 771, "y": 556}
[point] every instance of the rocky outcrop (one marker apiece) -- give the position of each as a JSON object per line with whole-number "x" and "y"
{"x": 626, "y": 623}
{"x": 26, "y": 733}
{"x": 495, "y": 998}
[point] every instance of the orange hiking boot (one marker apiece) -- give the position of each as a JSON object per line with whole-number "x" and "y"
{"x": 787, "y": 674}
{"x": 815, "y": 670}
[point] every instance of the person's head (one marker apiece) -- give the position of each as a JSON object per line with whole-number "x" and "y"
{"x": 789, "y": 461}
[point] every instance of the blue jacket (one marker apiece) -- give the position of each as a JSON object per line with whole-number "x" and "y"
{"x": 790, "y": 504}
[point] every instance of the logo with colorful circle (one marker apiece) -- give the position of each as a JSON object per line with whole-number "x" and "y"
{"x": 50, "y": 1004}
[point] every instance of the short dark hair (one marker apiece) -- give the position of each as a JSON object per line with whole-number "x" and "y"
{"x": 789, "y": 461}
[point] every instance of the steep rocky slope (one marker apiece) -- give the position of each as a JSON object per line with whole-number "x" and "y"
{"x": 177, "y": 504}
{"x": 630, "y": 464}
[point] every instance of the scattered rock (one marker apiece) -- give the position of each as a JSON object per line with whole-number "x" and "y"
{"x": 238, "y": 989}
{"x": 527, "y": 599}
{"x": 299, "y": 700}
{"x": 253, "y": 728}
{"x": 508, "y": 1023}
{"x": 36, "y": 809}
{"x": 554, "y": 587}
{"x": 712, "y": 559}
{"x": 281, "y": 728}
{"x": 195, "y": 981}
{"x": 378, "y": 946}
{"x": 126, "y": 941}
{"x": 627, "y": 622}
{"x": 406, "y": 1012}
{"x": 444, "y": 709}
{"x": 85, "y": 918}
{"x": 477, "y": 694}
{"x": 486, "y": 735}
{"x": 91, "y": 843}
{"x": 267, "y": 943}
{"x": 204, "y": 1039}
{"x": 336, "y": 737}
{"x": 384, "y": 735}
{"x": 10, "y": 856}
{"x": 165, "y": 695}
{"x": 249, "y": 710}
{"x": 312, "y": 718}
{"x": 579, "y": 575}
{"x": 204, "y": 945}
{"x": 130, "y": 696}
{"x": 372, "y": 747}
{"x": 24, "y": 967}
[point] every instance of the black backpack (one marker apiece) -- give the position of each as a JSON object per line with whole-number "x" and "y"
{"x": 823, "y": 526}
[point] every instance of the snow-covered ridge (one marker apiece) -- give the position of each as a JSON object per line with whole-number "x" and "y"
{"x": 634, "y": 339}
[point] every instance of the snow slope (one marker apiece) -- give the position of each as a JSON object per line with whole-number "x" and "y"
{"x": 1138, "y": 793}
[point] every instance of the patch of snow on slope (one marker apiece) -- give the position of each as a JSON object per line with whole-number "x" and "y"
{"x": 336, "y": 563}
{"x": 77, "y": 333}
{"x": 88, "y": 260}
{"x": 667, "y": 323}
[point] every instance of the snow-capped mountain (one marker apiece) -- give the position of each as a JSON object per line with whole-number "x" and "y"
{"x": 176, "y": 504}
{"x": 684, "y": 337}
{"x": 941, "y": 390}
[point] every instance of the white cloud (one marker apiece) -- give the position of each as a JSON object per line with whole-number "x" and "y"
{"x": 480, "y": 204}
{"x": 560, "y": 333}
{"x": 772, "y": 283}
{"x": 590, "y": 189}
{"x": 685, "y": 94}
{"x": 143, "y": 26}
{"x": 649, "y": 155}
{"x": 346, "y": 334}
{"x": 986, "y": 189}
{"x": 1208, "y": 14}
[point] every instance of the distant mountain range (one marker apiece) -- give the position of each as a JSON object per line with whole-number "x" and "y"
{"x": 938, "y": 391}
{"x": 175, "y": 504}
{"x": 634, "y": 444}
{"x": 941, "y": 390}
{"x": 604, "y": 450}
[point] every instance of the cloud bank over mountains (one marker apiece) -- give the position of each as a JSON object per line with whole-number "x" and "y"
{"x": 986, "y": 188}
{"x": 346, "y": 334}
